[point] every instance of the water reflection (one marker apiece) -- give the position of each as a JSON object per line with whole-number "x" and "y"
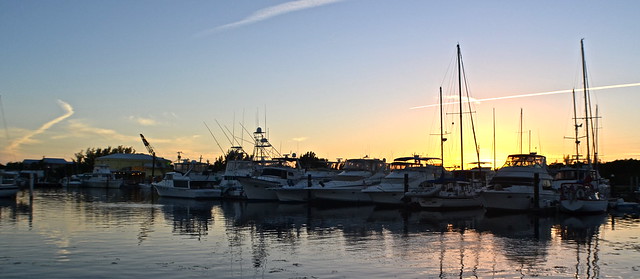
{"x": 583, "y": 232}
{"x": 234, "y": 239}
{"x": 187, "y": 216}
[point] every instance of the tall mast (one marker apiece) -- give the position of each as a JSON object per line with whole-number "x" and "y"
{"x": 575, "y": 125}
{"x": 460, "y": 97}
{"x": 520, "y": 131}
{"x": 586, "y": 100}
{"x": 494, "y": 139}
{"x": 442, "y": 139}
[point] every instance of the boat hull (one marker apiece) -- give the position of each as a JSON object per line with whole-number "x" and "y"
{"x": 584, "y": 206}
{"x": 516, "y": 201}
{"x": 8, "y": 191}
{"x": 175, "y": 192}
{"x": 293, "y": 194}
{"x": 343, "y": 194}
{"x": 438, "y": 203}
{"x": 387, "y": 198}
{"x": 257, "y": 189}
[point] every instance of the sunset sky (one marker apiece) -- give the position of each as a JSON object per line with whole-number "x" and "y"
{"x": 342, "y": 78}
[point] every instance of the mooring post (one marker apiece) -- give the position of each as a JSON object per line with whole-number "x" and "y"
{"x": 31, "y": 185}
{"x": 406, "y": 182}
{"x": 536, "y": 191}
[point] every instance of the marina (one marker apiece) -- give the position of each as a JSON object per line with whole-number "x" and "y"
{"x": 131, "y": 232}
{"x": 319, "y": 139}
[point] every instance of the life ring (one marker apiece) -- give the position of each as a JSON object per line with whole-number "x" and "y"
{"x": 580, "y": 194}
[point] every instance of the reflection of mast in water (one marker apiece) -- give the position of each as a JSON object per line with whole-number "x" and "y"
{"x": 462, "y": 249}
{"x": 585, "y": 232}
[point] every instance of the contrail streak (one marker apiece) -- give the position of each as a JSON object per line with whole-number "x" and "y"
{"x": 270, "y": 12}
{"x": 535, "y": 94}
{"x": 69, "y": 111}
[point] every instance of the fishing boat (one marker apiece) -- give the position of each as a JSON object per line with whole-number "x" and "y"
{"x": 301, "y": 191}
{"x": 522, "y": 180}
{"x": 347, "y": 186}
{"x": 8, "y": 184}
{"x": 274, "y": 174}
{"x": 406, "y": 175}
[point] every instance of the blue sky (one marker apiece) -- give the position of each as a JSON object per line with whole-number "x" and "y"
{"x": 335, "y": 77}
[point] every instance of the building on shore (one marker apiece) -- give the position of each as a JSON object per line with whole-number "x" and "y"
{"x": 135, "y": 164}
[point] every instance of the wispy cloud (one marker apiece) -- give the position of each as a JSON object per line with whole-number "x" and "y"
{"x": 143, "y": 121}
{"x": 534, "y": 94}
{"x": 299, "y": 139}
{"x": 270, "y": 12}
{"x": 27, "y": 137}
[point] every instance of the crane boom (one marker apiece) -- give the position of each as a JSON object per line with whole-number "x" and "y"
{"x": 147, "y": 145}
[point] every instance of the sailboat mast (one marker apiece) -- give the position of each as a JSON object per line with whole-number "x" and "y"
{"x": 460, "y": 97}
{"x": 520, "y": 131}
{"x": 442, "y": 139}
{"x": 586, "y": 100}
{"x": 494, "y": 139}
{"x": 575, "y": 125}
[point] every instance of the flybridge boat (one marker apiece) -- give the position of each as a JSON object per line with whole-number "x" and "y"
{"x": 347, "y": 186}
{"x": 8, "y": 184}
{"x": 392, "y": 188}
{"x": 190, "y": 179}
{"x": 513, "y": 186}
{"x": 103, "y": 177}
{"x": 274, "y": 174}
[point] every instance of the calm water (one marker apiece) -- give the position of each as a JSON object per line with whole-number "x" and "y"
{"x": 80, "y": 233}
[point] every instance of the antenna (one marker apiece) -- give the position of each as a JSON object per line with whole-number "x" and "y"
{"x": 4, "y": 119}
{"x": 214, "y": 137}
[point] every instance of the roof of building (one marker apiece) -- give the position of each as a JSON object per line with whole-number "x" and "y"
{"x": 137, "y": 156}
{"x": 48, "y": 161}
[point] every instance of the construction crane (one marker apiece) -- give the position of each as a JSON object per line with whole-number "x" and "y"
{"x": 152, "y": 152}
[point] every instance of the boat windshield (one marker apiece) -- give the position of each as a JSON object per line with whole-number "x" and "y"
{"x": 364, "y": 165}
{"x": 526, "y": 160}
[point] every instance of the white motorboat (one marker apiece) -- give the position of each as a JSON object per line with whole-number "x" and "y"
{"x": 406, "y": 175}
{"x": 273, "y": 175}
{"x": 453, "y": 194}
{"x": 347, "y": 186}
{"x": 8, "y": 184}
{"x": 178, "y": 185}
{"x": 103, "y": 177}
{"x": 513, "y": 186}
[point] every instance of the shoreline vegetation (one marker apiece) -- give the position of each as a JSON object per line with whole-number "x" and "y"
{"x": 623, "y": 174}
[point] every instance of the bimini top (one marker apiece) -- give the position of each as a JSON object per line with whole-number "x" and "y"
{"x": 526, "y": 160}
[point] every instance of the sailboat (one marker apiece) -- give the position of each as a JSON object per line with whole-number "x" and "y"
{"x": 581, "y": 187}
{"x": 449, "y": 192}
